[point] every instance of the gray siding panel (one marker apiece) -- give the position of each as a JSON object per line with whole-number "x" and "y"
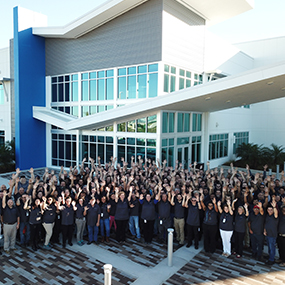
{"x": 133, "y": 38}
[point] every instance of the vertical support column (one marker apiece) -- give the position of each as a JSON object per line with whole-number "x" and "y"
{"x": 107, "y": 274}
{"x": 170, "y": 246}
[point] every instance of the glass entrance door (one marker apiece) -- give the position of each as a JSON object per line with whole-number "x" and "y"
{"x": 183, "y": 156}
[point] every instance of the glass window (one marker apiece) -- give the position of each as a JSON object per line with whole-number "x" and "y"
{"x": 92, "y": 75}
{"x": 141, "y": 125}
{"x": 75, "y": 111}
{"x": 140, "y": 141}
{"x": 152, "y": 85}
{"x": 151, "y": 124}
{"x": 66, "y": 92}
{"x": 84, "y": 76}
{"x": 171, "y": 122}
{"x": 100, "y": 109}
{"x": 181, "y": 72}
{"x": 122, "y": 87}
{"x": 142, "y": 86}
{"x": 164, "y": 142}
{"x": 172, "y": 84}
{"x": 131, "y": 87}
{"x": 186, "y": 122}
{"x": 218, "y": 146}
{"x": 60, "y": 92}
{"x": 166, "y": 68}
{"x": 109, "y": 73}
{"x": 100, "y": 74}
{"x": 93, "y": 90}
{"x": 181, "y": 141}
{"x": 142, "y": 69}
{"x": 84, "y": 91}
{"x": 74, "y": 77}
{"x": 131, "y": 126}
{"x": 132, "y": 70}
{"x": 53, "y": 93}
{"x": 181, "y": 83}
{"x": 131, "y": 141}
{"x": 173, "y": 70}
{"x": 122, "y": 71}
{"x": 153, "y": 67}
{"x": 85, "y": 111}
{"x": 180, "y": 122}
{"x": 166, "y": 83}
{"x": 151, "y": 142}
{"x": 93, "y": 110}
{"x": 110, "y": 89}
{"x": 121, "y": 127}
{"x": 101, "y": 89}
{"x": 164, "y": 122}
{"x": 74, "y": 91}
{"x": 121, "y": 140}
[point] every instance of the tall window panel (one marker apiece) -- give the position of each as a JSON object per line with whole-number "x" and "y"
{"x": 218, "y": 146}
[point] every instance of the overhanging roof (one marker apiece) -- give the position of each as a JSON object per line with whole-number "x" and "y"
{"x": 213, "y": 11}
{"x": 258, "y": 85}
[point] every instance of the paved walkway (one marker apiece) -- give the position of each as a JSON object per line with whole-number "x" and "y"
{"x": 133, "y": 263}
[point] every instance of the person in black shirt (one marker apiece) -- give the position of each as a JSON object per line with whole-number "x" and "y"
{"x": 210, "y": 225}
{"x": 240, "y": 228}
{"x": 35, "y": 219}
{"x": 178, "y": 202}
{"x": 281, "y": 235}
{"x": 193, "y": 220}
{"x": 271, "y": 230}
{"x": 164, "y": 220}
{"x": 134, "y": 216}
{"x": 67, "y": 220}
{"x": 226, "y": 226}
{"x": 148, "y": 216}
{"x": 24, "y": 221}
{"x": 122, "y": 214}
{"x": 92, "y": 213}
{"x": 104, "y": 220}
{"x": 49, "y": 215}
{"x": 80, "y": 221}
{"x": 11, "y": 220}
{"x": 255, "y": 227}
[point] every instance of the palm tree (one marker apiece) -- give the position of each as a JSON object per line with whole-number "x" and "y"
{"x": 250, "y": 154}
{"x": 7, "y": 156}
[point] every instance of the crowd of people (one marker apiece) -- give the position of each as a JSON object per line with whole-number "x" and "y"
{"x": 231, "y": 209}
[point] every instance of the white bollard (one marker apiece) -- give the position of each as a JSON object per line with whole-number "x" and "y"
{"x": 170, "y": 246}
{"x": 108, "y": 274}
{"x": 270, "y": 171}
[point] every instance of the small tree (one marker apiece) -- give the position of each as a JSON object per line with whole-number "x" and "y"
{"x": 7, "y": 156}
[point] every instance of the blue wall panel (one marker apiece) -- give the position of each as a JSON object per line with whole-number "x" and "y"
{"x": 29, "y": 60}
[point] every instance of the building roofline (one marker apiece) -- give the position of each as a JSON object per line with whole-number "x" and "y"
{"x": 213, "y": 12}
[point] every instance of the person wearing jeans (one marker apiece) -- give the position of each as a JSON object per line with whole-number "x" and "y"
{"x": 104, "y": 219}
{"x": 271, "y": 230}
{"x": 92, "y": 213}
{"x": 134, "y": 216}
{"x": 80, "y": 222}
{"x": 255, "y": 226}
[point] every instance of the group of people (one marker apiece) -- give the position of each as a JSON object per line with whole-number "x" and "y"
{"x": 232, "y": 209}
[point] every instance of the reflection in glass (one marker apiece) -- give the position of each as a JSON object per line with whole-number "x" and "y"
{"x": 141, "y": 125}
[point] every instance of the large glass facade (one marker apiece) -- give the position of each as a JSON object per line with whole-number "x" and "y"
{"x": 2, "y": 138}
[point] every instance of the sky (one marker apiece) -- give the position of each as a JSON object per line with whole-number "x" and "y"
{"x": 266, "y": 20}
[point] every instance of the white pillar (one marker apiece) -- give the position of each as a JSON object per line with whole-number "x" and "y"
{"x": 170, "y": 246}
{"x": 107, "y": 274}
